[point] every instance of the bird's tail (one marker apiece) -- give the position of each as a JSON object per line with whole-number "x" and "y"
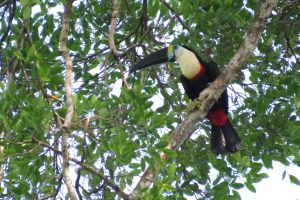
{"x": 217, "y": 142}
{"x": 224, "y": 139}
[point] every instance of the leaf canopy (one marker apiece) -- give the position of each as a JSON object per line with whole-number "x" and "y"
{"x": 119, "y": 132}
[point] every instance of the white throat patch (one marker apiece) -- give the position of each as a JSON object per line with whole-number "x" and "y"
{"x": 188, "y": 62}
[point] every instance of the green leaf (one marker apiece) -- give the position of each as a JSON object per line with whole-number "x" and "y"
{"x": 250, "y": 186}
{"x": 228, "y": 2}
{"x": 30, "y": 52}
{"x": 36, "y": 1}
{"x": 169, "y": 152}
{"x": 94, "y": 99}
{"x": 26, "y": 12}
{"x": 143, "y": 164}
{"x": 134, "y": 165}
{"x": 168, "y": 187}
{"x": 153, "y": 8}
{"x": 122, "y": 184}
{"x": 236, "y": 195}
{"x": 19, "y": 55}
{"x": 24, "y": 2}
{"x": 164, "y": 141}
{"x": 221, "y": 189}
{"x": 74, "y": 45}
{"x": 263, "y": 175}
{"x": 171, "y": 171}
{"x": 237, "y": 185}
{"x": 294, "y": 179}
{"x": 251, "y": 91}
{"x": 283, "y": 175}
{"x": 151, "y": 162}
{"x": 267, "y": 160}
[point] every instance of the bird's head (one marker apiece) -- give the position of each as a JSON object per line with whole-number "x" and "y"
{"x": 185, "y": 56}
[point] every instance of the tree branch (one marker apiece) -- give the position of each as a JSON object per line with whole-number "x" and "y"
{"x": 111, "y": 32}
{"x": 112, "y": 28}
{"x": 15, "y": 61}
{"x": 69, "y": 98}
{"x": 89, "y": 168}
{"x": 213, "y": 92}
{"x": 2, "y": 136}
{"x": 176, "y": 15}
{"x": 69, "y": 64}
{"x": 284, "y": 13}
{"x": 11, "y": 5}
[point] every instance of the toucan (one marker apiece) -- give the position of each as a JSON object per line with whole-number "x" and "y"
{"x": 196, "y": 76}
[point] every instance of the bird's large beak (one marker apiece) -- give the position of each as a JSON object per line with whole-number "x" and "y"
{"x": 161, "y": 56}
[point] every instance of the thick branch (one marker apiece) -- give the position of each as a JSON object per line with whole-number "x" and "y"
{"x": 213, "y": 92}
{"x": 69, "y": 98}
{"x": 69, "y": 64}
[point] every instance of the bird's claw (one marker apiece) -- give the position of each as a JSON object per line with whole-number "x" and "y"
{"x": 193, "y": 105}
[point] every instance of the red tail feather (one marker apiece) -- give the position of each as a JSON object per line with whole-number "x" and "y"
{"x": 217, "y": 117}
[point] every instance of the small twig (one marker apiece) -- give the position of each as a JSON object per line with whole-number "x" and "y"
{"x": 122, "y": 74}
{"x": 2, "y": 135}
{"x": 6, "y": 2}
{"x": 15, "y": 61}
{"x": 284, "y": 12}
{"x": 59, "y": 184}
{"x": 84, "y": 152}
{"x": 176, "y": 15}
{"x": 10, "y": 18}
{"x": 56, "y": 98}
{"x": 21, "y": 153}
{"x": 288, "y": 43}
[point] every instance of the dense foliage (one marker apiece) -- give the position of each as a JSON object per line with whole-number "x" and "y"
{"x": 119, "y": 127}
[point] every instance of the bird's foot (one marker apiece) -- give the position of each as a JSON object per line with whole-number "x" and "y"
{"x": 193, "y": 105}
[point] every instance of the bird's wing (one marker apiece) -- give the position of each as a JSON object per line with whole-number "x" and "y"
{"x": 213, "y": 72}
{"x": 186, "y": 86}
